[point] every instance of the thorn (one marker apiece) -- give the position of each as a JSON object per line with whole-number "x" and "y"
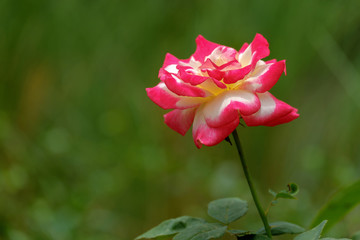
{"x": 228, "y": 140}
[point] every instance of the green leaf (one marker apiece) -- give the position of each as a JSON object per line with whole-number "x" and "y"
{"x": 293, "y": 188}
{"x": 313, "y": 234}
{"x": 171, "y": 227}
{"x": 278, "y": 228}
{"x": 228, "y": 236}
{"x": 272, "y": 192}
{"x": 335, "y": 238}
{"x": 356, "y": 236}
{"x": 284, "y": 194}
{"x": 289, "y": 193}
{"x": 204, "y": 231}
{"x": 240, "y": 233}
{"x": 339, "y": 205}
{"x": 227, "y": 210}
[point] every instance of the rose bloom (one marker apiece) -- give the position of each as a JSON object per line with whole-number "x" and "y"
{"x": 217, "y": 86}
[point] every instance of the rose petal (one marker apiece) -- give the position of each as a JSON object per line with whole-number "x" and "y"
{"x": 258, "y": 49}
{"x": 230, "y": 72}
{"x": 219, "y": 84}
{"x": 243, "y": 47}
{"x": 285, "y": 119}
{"x": 203, "y": 134}
{"x": 272, "y": 61}
{"x": 180, "y": 120}
{"x": 215, "y": 74}
{"x": 187, "y": 75}
{"x": 227, "y": 106}
{"x": 169, "y": 66}
{"x": 222, "y": 55}
{"x": 232, "y": 65}
{"x": 191, "y": 62}
{"x": 211, "y": 86}
{"x": 260, "y": 46}
{"x": 272, "y": 112}
{"x": 233, "y": 76}
{"x": 177, "y": 86}
{"x": 166, "y": 99}
{"x": 203, "y": 48}
{"x": 264, "y": 77}
{"x": 208, "y": 65}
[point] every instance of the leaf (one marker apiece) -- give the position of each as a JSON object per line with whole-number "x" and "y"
{"x": 272, "y": 192}
{"x": 240, "y": 233}
{"x": 228, "y": 236}
{"x": 171, "y": 227}
{"x": 339, "y": 205}
{"x": 286, "y": 195}
{"x": 293, "y": 188}
{"x": 335, "y": 238}
{"x": 313, "y": 234}
{"x": 356, "y": 236}
{"x": 204, "y": 231}
{"x": 243, "y": 234}
{"x": 227, "y": 210}
{"x": 278, "y": 228}
{"x": 289, "y": 193}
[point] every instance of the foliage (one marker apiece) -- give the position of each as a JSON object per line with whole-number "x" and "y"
{"x": 171, "y": 227}
{"x": 226, "y": 211}
{"x": 339, "y": 205}
{"x": 278, "y": 228}
{"x": 315, "y": 233}
{"x": 288, "y": 193}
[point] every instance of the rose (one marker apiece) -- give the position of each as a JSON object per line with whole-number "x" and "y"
{"x": 217, "y": 86}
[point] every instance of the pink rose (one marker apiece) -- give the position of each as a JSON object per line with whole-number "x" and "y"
{"x": 217, "y": 86}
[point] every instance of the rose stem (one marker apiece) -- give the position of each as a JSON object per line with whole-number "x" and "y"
{"x": 251, "y": 186}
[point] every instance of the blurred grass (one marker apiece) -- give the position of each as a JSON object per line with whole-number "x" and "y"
{"x": 86, "y": 155}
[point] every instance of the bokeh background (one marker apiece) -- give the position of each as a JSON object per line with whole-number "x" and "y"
{"x": 84, "y": 154}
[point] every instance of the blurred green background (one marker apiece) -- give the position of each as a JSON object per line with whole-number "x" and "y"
{"x": 86, "y": 155}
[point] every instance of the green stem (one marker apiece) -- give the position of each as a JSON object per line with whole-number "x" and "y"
{"x": 251, "y": 186}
